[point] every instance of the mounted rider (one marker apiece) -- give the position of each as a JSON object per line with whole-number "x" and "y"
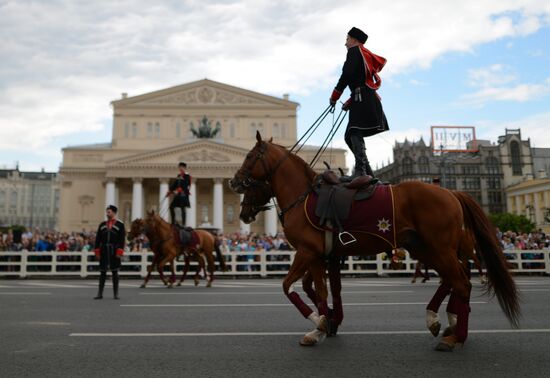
{"x": 180, "y": 189}
{"x": 366, "y": 116}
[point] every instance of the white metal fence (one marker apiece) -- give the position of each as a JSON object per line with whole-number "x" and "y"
{"x": 258, "y": 263}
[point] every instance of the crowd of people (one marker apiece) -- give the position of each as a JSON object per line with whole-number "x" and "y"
{"x": 39, "y": 241}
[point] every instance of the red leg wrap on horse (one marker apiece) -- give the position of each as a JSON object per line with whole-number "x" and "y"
{"x": 323, "y": 308}
{"x": 338, "y": 312}
{"x": 463, "y": 313}
{"x": 453, "y": 304}
{"x": 310, "y": 294}
{"x": 300, "y": 305}
{"x": 442, "y": 291}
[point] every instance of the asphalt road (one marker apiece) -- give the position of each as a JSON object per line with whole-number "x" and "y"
{"x": 246, "y": 328}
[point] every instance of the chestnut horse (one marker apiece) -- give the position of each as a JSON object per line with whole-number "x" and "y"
{"x": 163, "y": 243}
{"x": 429, "y": 223}
{"x": 255, "y": 200}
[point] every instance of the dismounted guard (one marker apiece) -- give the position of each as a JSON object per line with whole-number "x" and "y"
{"x": 180, "y": 189}
{"x": 109, "y": 248}
{"x": 366, "y": 116}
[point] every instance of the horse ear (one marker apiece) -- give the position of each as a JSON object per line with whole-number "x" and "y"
{"x": 258, "y": 136}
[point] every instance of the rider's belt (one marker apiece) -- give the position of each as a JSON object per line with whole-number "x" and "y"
{"x": 358, "y": 94}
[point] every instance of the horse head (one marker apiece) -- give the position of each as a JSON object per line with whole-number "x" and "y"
{"x": 136, "y": 228}
{"x": 254, "y": 201}
{"x": 257, "y": 166}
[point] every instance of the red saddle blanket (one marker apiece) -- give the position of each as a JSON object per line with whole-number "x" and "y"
{"x": 194, "y": 243}
{"x": 374, "y": 216}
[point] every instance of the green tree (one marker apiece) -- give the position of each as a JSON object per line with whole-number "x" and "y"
{"x": 512, "y": 222}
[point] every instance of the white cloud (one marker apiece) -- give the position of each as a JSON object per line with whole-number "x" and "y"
{"x": 498, "y": 83}
{"x": 63, "y": 61}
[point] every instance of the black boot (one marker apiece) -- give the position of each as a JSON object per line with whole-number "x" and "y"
{"x": 358, "y": 148}
{"x": 115, "y": 284}
{"x": 102, "y": 278}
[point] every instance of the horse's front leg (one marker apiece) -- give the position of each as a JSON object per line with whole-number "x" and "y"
{"x": 149, "y": 271}
{"x": 297, "y": 270}
{"x": 161, "y": 265}
{"x": 185, "y": 269}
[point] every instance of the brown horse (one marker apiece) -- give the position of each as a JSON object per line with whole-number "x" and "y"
{"x": 428, "y": 223}
{"x": 162, "y": 238}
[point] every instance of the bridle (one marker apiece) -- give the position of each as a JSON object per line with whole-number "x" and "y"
{"x": 250, "y": 182}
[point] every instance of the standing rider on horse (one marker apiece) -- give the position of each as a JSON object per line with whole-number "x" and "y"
{"x": 180, "y": 189}
{"x": 366, "y": 118}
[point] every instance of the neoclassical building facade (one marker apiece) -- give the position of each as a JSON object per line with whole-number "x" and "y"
{"x": 153, "y": 132}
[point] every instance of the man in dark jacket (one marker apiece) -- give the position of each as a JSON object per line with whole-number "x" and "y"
{"x": 366, "y": 117}
{"x": 109, "y": 248}
{"x": 180, "y": 189}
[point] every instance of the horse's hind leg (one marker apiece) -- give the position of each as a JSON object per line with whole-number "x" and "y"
{"x": 185, "y": 269}
{"x": 211, "y": 264}
{"x": 454, "y": 274}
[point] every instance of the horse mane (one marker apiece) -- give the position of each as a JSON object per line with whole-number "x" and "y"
{"x": 310, "y": 173}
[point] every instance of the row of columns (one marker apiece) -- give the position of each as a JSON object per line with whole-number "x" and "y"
{"x": 270, "y": 223}
{"x": 521, "y": 203}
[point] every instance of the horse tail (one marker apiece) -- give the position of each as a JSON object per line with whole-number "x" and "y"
{"x": 219, "y": 255}
{"x": 500, "y": 282}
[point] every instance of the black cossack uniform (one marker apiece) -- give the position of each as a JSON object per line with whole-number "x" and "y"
{"x": 110, "y": 242}
{"x": 181, "y": 198}
{"x": 366, "y": 116}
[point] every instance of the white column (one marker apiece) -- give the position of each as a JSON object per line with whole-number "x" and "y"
{"x": 191, "y": 212}
{"x": 245, "y": 228}
{"x": 137, "y": 199}
{"x": 527, "y": 202}
{"x": 164, "y": 202}
{"x": 218, "y": 203}
{"x": 110, "y": 191}
{"x": 538, "y": 212}
{"x": 510, "y": 203}
{"x": 546, "y": 198}
{"x": 270, "y": 221}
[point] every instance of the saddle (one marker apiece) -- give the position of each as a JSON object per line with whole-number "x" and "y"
{"x": 183, "y": 234}
{"x": 335, "y": 198}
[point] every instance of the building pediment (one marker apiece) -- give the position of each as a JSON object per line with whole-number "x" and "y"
{"x": 202, "y": 152}
{"x": 204, "y": 93}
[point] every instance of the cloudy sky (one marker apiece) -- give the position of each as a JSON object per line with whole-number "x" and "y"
{"x": 480, "y": 63}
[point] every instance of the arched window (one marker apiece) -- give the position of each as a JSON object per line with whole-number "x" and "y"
{"x": 407, "y": 166}
{"x": 516, "y": 158}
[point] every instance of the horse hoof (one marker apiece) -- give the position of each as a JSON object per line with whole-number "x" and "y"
{"x": 435, "y": 328}
{"x": 196, "y": 282}
{"x": 209, "y": 284}
{"x": 323, "y": 324}
{"x": 332, "y": 328}
{"x": 413, "y": 280}
{"x": 448, "y": 331}
{"x": 308, "y": 341}
{"x": 179, "y": 283}
{"x": 447, "y": 344}
{"x": 142, "y": 286}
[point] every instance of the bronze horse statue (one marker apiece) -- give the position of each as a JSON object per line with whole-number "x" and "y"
{"x": 165, "y": 246}
{"x": 430, "y": 222}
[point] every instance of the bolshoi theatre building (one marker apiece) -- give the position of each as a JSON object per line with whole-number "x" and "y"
{"x": 210, "y": 126}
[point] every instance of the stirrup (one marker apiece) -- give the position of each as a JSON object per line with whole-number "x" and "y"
{"x": 352, "y": 238}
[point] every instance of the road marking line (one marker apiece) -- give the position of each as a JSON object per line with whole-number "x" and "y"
{"x": 52, "y": 285}
{"x": 278, "y": 292}
{"x": 26, "y": 293}
{"x": 523, "y": 290}
{"x": 276, "y": 304}
{"x": 231, "y": 334}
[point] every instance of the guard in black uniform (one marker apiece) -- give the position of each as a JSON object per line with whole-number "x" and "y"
{"x": 109, "y": 248}
{"x": 366, "y": 117}
{"x": 180, "y": 189}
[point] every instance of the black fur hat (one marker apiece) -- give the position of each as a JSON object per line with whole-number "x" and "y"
{"x": 113, "y": 208}
{"x": 358, "y": 34}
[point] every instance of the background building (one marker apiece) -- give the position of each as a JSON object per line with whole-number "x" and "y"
{"x": 209, "y": 125}
{"x": 485, "y": 174}
{"x": 30, "y": 199}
